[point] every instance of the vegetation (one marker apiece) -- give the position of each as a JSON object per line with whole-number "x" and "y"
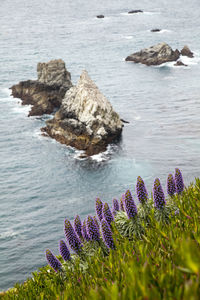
{"x": 150, "y": 251}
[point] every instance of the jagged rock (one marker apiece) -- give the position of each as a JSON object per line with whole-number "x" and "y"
{"x": 135, "y": 11}
{"x": 180, "y": 63}
{"x": 45, "y": 93}
{"x": 187, "y": 52}
{"x": 100, "y": 16}
{"x": 155, "y": 30}
{"x": 155, "y": 55}
{"x": 86, "y": 119}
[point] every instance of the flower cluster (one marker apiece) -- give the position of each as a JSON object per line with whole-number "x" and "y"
{"x": 122, "y": 202}
{"x": 71, "y": 237}
{"x": 107, "y": 234}
{"x": 107, "y": 215}
{"x": 179, "y": 181}
{"x": 96, "y": 222}
{"x": 141, "y": 191}
{"x": 171, "y": 188}
{"x": 115, "y": 207}
{"x": 64, "y": 251}
{"x": 130, "y": 207}
{"x": 99, "y": 207}
{"x": 53, "y": 261}
{"x": 84, "y": 232}
{"x": 78, "y": 226}
{"x": 158, "y": 194}
{"x": 92, "y": 230}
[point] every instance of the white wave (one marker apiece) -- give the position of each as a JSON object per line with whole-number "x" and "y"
{"x": 6, "y": 91}
{"x": 164, "y": 31}
{"x": 150, "y": 13}
{"x": 24, "y": 109}
{"x": 7, "y": 234}
{"x": 186, "y": 60}
{"x": 128, "y": 37}
{"x": 137, "y": 117}
{"x": 125, "y": 14}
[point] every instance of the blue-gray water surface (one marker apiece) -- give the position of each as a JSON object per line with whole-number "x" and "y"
{"x": 43, "y": 182}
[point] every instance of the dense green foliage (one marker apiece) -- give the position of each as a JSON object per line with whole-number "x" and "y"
{"x": 161, "y": 263}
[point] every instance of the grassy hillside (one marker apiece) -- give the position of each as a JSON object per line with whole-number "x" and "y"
{"x": 154, "y": 255}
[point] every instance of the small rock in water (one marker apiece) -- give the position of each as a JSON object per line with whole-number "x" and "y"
{"x": 180, "y": 63}
{"x": 155, "y": 55}
{"x": 155, "y": 30}
{"x": 100, "y": 16}
{"x": 135, "y": 11}
{"x": 187, "y": 52}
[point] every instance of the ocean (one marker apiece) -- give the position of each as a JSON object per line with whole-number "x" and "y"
{"x": 43, "y": 182}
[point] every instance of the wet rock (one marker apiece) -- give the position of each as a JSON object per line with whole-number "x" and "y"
{"x": 180, "y": 63}
{"x": 187, "y": 52}
{"x": 86, "y": 119}
{"x": 135, "y": 11}
{"x": 155, "y": 55}
{"x": 46, "y": 93}
{"x": 100, "y": 16}
{"x": 155, "y": 30}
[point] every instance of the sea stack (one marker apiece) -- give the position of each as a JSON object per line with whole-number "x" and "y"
{"x": 155, "y": 55}
{"x": 86, "y": 119}
{"x": 45, "y": 93}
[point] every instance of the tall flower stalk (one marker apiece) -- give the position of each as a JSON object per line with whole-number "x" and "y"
{"x": 78, "y": 226}
{"x": 158, "y": 195}
{"x": 64, "y": 251}
{"x": 53, "y": 261}
{"x": 130, "y": 206}
{"x": 107, "y": 234}
{"x": 84, "y": 232}
{"x": 171, "y": 188}
{"x": 115, "y": 207}
{"x": 71, "y": 237}
{"x": 122, "y": 202}
{"x": 179, "y": 181}
{"x": 141, "y": 190}
{"x": 92, "y": 230}
{"x": 107, "y": 214}
{"x": 99, "y": 207}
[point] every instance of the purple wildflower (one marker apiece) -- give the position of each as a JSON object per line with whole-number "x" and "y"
{"x": 171, "y": 188}
{"x": 107, "y": 215}
{"x": 99, "y": 207}
{"x": 77, "y": 226}
{"x": 53, "y": 261}
{"x": 96, "y": 222}
{"x": 84, "y": 232}
{"x": 158, "y": 194}
{"x": 130, "y": 207}
{"x": 122, "y": 202}
{"x": 179, "y": 181}
{"x": 92, "y": 230}
{"x": 71, "y": 237}
{"x": 64, "y": 251}
{"x": 141, "y": 191}
{"x": 115, "y": 206}
{"x": 107, "y": 234}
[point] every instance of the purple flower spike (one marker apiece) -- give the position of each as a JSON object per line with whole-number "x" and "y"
{"x": 115, "y": 207}
{"x": 99, "y": 207}
{"x": 92, "y": 230}
{"x": 122, "y": 202}
{"x": 64, "y": 251}
{"x": 130, "y": 207}
{"x": 53, "y": 261}
{"x": 107, "y": 215}
{"x": 141, "y": 191}
{"x": 179, "y": 181}
{"x": 171, "y": 188}
{"x": 78, "y": 226}
{"x": 71, "y": 237}
{"x": 96, "y": 222}
{"x": 84, "y": 232}
{"x": 107, "y": 234}
{"x": 158, "y": 194}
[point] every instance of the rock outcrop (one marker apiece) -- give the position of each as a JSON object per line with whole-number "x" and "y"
{"x": 100, "y": 16}
{"x": 180, "y": 63}
{"x": 45, "y": 93}
{"x": 155, "y": 55}
{"x": 187, "y": 52}
{"x": 155, "y": 30}
{"x": 86, "y": 119}
{"x": 135, "y": 11}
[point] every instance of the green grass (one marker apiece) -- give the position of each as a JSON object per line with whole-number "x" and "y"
{"x": 164, "y": 263}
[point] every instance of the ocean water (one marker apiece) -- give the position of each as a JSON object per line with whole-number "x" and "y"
{"x": 43, "y": 182}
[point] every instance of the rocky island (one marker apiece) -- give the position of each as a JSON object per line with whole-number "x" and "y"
{"x": 158, "y": 54}
{"x": 86, "y": 119}
{"x": 45, "y": 93}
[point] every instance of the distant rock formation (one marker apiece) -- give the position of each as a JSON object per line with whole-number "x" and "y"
{"x": 155, "y": 55}
{"x": 187, "y": 52}
{"x": 45, "y": 93}
{"x": 155, "y": 30}
{"x": 86, "y": 119}
{"x": 180, "y": 63}
{"x": 135, "y": 11}
{"x": 100, "y": 16}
